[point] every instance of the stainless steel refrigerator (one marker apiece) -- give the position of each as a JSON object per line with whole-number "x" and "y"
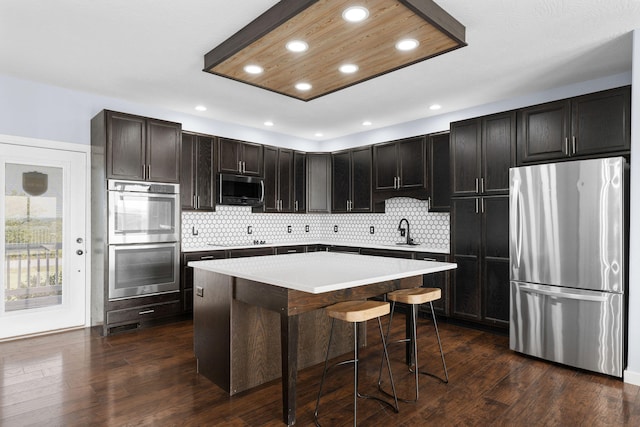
{"x": 568, "y": 262}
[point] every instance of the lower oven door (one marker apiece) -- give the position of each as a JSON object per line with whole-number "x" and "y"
{"x": 137, "y": 270}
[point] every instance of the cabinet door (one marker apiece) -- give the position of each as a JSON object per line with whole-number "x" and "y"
{"x": 319, "y": 183}
{"x": 601, "y": 122}
{"x": 163, "y": 151}
{"x": 361, "y": 180}
{"x": 495, "y": 263}
{"x": 299, "y": 181}
{"x": 386, "y": 166}
{"x": 187, "y": 172}
{"x": 465, "y": 157}
{"x": 436, "y": 280}
{"x": 543, "y": 132}
{"x": 270, "y": 179}
{"x": 466, "y": 233}
{"x": 498, "y": 151}
{"x": 204, "y": 178}
{"x": 439, "y": 186}
{"x": 126, "y": 136}
{"x": 341, "y": 182}
{"x": 412, "y": 162}
{"x": 228, "y": 156}
{"x": 285, "y": 180}
{"x": 252, "y": 158}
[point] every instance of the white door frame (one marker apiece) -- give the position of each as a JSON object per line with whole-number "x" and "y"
{"x": 86, "y": 151}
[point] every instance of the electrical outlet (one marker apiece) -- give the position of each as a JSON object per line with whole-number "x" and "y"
{"x": 194, "y": 232}
{"x": 288, "y": 229}
{"x": 335, "y": 228}
{"x": 403, "y": 232}
{"x": 372, "y": 230}
{"x": 249, "y": 229}
{"x": 306, "y": 228}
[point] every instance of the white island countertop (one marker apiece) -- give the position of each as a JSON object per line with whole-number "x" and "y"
{"x": 318, "y": 272}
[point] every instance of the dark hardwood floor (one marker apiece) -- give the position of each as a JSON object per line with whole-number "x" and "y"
{"x": 148, "y": 377}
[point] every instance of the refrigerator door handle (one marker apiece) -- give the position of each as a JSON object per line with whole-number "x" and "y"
{"x": 517, "y": 221}
{"x": 564, "y": 295}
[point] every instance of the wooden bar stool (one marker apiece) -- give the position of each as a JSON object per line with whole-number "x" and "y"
{"x": 356, "y": 312}
{"x": 414, "y": 297}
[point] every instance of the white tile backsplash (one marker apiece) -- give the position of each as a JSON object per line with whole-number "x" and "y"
{"x": 228, "y": 225}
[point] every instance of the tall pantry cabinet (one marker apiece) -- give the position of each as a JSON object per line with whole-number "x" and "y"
{"x": 482, "y": 151}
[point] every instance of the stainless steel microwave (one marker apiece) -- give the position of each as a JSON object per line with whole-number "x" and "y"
{"x": 240, "y": 190}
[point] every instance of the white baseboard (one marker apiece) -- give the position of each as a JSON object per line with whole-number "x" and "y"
{"x": 631, "y": 377}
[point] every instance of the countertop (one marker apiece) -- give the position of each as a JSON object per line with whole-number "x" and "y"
{"x": 389, "y": 246}
{"x": 317, "y": 272}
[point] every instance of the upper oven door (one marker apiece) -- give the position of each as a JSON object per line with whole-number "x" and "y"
{"x": 138, "y": 217}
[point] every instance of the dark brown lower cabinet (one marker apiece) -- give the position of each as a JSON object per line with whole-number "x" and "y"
{"x": 436, "y": 280}
{"x": 480, "y": 247}
{"x": 186, "y": 281}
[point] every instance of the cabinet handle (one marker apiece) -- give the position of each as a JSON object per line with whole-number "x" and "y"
{"x": 573, "y": 145}
{"x": 148, "y": 171}
{"x": 351, "y": 203}
{"x": 202, "y": 258}
{"x": 477, "y": 186}
{"x": 195, "y": 201}
{"x": 144, "y": 171}
{"x": 240, "y": 166}
{"x": 296, "y": 206}
{"x": 291, "y": 251}
{"x": 146, "y": 312}
{"x": 482, "y": 205}
{"x": 244, "y": 167}
{"x": 395, "y": 182}
{"x": 566, "y": 147}
{"x": 399, "y": 183}
{"x": 347, "y": 206}
{"x": 198, "y": 202}
{"x": 482, "y": 189}
{"x": 477, "y": 207}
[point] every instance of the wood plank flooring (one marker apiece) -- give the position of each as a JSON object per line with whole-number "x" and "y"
{"x": 149, "y": 377}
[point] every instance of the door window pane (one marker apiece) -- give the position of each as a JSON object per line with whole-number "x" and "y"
{"x": 33, "y": 236}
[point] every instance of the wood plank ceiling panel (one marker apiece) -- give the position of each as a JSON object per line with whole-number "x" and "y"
{"x": 332, "y": 42}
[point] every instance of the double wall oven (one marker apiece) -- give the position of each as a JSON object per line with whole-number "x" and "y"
{"x": 144, "y": 238}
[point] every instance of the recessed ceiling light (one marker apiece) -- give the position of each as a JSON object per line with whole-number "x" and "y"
{"x": 355, "y": 14}
{"x": 366, "y": 123}
{"x": 297, "y": 46}
{"x": 435, "y": 107}
{"x": 407, "y": 44}
{"x": 303, "y": 86}
{"x": 201, "y": 108}
{"x": 319, "y": 134}
{"x": 348, "y": 68}
{"x": 253, "y": 69}
{"x": 268, "y": 123}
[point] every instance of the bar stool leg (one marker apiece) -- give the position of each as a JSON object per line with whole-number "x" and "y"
{"x": 435, "y": 325}
{"x": 355, "y": 373}
{"x": 324, "y": 373}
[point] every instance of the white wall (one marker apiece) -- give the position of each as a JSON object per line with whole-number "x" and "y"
{"x": 632, "y": 374}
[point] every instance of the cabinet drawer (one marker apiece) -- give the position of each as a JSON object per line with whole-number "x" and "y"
{"x": 290, "y": 250}
{"x": 144, "y": 312}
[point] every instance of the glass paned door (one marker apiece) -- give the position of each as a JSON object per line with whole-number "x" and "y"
{"x": 43, "y": 234}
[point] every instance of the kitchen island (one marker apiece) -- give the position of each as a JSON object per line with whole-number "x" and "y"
{"x": 238, "y": 304}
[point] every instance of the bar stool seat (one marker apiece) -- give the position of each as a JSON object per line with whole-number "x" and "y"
{"x": 415, "y": 297}
{"x": 356, "y": 312}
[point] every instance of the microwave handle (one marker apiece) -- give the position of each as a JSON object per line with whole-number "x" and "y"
{"x": 262, "y": 186}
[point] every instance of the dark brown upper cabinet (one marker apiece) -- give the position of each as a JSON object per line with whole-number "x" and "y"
{"x": 351, "y": 183}
{"x": 139, "y": 148}
{"x": 585, "y": 126}
{"x": 278, "y": 179}
{"x": 318, "y": 182}
{"x": 299, "y": 181}
{"x": 239, "y": 157}
{"x": 439, "y": 176}
{"x": 197, "y": 180}
{"x": 400, "y": 165}
{"x": 482, "y": 151}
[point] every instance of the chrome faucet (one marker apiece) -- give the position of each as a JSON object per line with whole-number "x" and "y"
{"x": 404, "y": 232}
